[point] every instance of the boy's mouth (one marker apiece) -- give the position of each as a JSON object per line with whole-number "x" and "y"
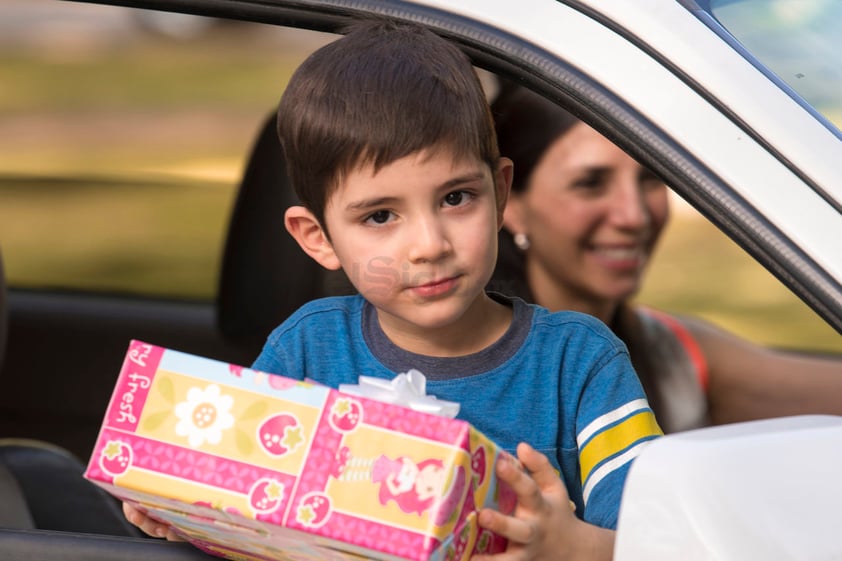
{"x": 437, "y": 287}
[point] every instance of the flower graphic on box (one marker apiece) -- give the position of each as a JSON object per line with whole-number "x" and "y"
{"x": 204, "y": 415}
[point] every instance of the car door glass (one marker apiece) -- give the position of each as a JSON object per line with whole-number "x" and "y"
{"x": 799, "y": 40}
{"x": 698, "y": 271}
{"x": 123, "y": 136}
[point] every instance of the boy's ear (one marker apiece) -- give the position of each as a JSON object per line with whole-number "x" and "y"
{"x": 303, "y": 226}
{"x": 503, "y": 185}
{"x": 513, "y": 215}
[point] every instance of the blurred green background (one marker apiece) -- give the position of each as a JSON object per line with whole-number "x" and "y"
{"x": 120, "y": 159}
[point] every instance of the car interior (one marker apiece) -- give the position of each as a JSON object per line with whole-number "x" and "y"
{"x": 265, "y": 276}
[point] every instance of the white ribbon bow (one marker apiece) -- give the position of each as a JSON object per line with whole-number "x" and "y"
{"x": 407, "y": 389}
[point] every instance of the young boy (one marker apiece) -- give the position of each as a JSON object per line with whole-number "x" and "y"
{"x": 391, "y": 149}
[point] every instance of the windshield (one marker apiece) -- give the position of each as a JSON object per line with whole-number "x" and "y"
{"x": 799, "y": 40}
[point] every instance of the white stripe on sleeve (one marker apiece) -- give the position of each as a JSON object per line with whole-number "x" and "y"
{"x": 602, "y": 471}
{"x": 612, "y": 416}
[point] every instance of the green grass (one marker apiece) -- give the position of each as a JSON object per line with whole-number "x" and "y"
{"x": 699, "y": 271}
{"x": 176, "y": 117}
{"x": 155, "y": 238}
{"x": 227, "y": 70}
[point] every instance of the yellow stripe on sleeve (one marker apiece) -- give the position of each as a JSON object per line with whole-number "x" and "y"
{"x": 616, "y": 439}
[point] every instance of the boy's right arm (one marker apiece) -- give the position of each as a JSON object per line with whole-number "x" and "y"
{"x": 148, "y": 525}
{"x": 543, "y": 526}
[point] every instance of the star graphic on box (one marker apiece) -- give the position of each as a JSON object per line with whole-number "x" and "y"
{"x": 292, "y": 437}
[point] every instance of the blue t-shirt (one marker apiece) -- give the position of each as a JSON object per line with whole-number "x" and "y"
{"x": 562, "y": 382}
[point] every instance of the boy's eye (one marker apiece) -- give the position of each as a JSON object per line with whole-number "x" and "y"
{"x": 379, "y": 217}
{"x": 456, "y": 198}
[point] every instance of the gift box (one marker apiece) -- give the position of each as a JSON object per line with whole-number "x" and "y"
{"x": 248, "y": 465}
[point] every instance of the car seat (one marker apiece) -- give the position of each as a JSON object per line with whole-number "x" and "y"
{"x": 41, "y": 485}
{"x": 13, "y": 510}
{"x": 265, "y": 275}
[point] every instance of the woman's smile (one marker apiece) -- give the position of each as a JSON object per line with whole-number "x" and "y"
{"x": 620, "y": 258}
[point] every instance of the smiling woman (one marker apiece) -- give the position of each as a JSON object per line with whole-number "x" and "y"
{"x": 582, "y": 223}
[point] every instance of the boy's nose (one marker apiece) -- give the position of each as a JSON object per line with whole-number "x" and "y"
{"x": 428, "y": 241}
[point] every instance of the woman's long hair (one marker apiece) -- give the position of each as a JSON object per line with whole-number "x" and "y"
{"x": 527, "y": 124}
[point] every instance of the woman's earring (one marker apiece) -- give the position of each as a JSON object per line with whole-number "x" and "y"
{"x": 522, "y": 241}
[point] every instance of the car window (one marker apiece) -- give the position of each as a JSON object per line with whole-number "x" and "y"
{"x": 698, "y": 271}
{"x": 799, "y": 40}
{"x": 123, "y": 135}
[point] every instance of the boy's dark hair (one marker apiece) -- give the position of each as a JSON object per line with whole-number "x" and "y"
{"x": 383, "y": 91}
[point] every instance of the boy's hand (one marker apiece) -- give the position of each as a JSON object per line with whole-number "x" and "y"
{"x": 543, "y": 526}
{"x": 148, "y": 525}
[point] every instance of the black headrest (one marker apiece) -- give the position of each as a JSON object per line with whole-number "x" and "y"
{"x": 265, "y": 274}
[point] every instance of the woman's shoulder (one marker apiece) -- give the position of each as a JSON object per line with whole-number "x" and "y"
{"x": 686, "y": 331}
{"x": 676, "y": 339}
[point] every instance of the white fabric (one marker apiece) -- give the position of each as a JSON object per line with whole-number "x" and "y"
{"x": 769, "y": 490}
